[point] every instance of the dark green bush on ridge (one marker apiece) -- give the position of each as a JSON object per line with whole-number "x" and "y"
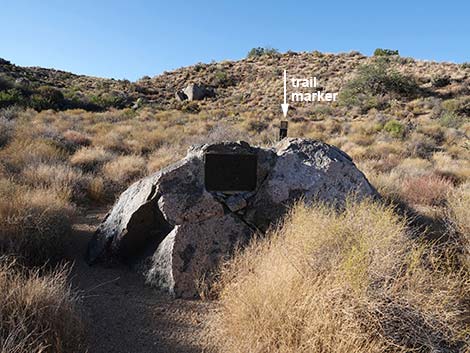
{"x": 260, "y": 51}
{"x": 385, "y": 52}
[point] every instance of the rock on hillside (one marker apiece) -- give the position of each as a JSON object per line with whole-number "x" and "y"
{"x": 179, "y": 231}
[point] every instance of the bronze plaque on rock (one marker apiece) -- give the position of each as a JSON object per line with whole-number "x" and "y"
{"x": 230, "y": 172}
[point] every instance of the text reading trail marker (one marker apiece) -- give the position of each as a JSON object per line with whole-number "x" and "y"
{"x": 285, "y": 108}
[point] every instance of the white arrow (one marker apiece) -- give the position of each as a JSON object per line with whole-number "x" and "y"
{"x": 285, "y": 106}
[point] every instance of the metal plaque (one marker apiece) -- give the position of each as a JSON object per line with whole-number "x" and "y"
{"x": 230, "y": 172}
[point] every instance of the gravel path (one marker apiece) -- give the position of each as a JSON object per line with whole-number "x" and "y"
{"x": 123, "y": 315}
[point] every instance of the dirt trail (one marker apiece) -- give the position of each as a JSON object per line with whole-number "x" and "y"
{"x": 123, "y": 315}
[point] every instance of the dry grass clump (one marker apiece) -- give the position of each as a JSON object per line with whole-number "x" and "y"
{"x": 62, "y": 178}
{"x": 340, "y": 282}
{"x": 38, "y": 311}
{"x": 76, "y": 138}
{"x": 21, "y": 153}
{"x": 90, "y": 158}
{"x": 124, "y": 169}
{"x": 162, "y": 157}
{"x": 35, "y": 222}
{"x": 459, "y": 216}
{"x": 430, "y": 190}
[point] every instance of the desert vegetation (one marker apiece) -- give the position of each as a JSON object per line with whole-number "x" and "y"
{"x": 382, "y": 276}
{"x": 357, "y": 281}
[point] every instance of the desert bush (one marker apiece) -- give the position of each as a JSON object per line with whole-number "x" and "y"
{"x": 12, "y": 96}
{"x": 419, "y": 145}
{"x": 10, "y": 113}
{"x": 190, "y": 107}
{"x": 373, "y": 83}
{"x": 452, "y": 119}
{"x": 39, "y": 311}
{"x": 46, "y": 97}
{"x": 5, "y": 82}
{"x": 260, "y": 51}
{"x": 6, "y": 131}
{"x": 395, "y": 128}
{"x": 113, "y": 99}
{"x": 339, "y": 282}
{"x": 222, "y": 79}
{"x": 35, "y": 222}
{"x": 440, "y": 80}
{"x": 90, "y": 158}
{"x": 385, "y": 52}
{"x": 430, "y": 190}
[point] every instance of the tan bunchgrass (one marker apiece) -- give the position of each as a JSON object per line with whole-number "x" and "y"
{"x": 38, "y": 311}
{"x": 64, "y": 179}
{"x": 35, "y": 222}
{"x": 339, "y": 282}
{"x": 459, "y": 217}
{"x": 124, "y": 169}
{"x": 90, "y": 158}
{"x": 162, "y": 157}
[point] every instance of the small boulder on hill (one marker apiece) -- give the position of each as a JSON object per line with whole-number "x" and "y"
{"x": 177, "y": 231}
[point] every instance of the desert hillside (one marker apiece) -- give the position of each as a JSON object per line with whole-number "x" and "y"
{"x": 253, "y": 84}
{"x": 384, "y": 275}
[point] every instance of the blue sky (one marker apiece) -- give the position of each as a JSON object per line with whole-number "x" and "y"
{"x": 130, "y": 39}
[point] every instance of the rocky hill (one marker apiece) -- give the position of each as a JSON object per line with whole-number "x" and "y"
{"x": 249, "y": 85}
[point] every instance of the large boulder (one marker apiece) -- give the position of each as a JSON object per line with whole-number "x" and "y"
{"x": 177, "y": 232}
{"x": 195, "y": 92}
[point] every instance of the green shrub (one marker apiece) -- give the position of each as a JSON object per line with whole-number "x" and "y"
{"x": 11, "y": 97}
{"x": 395, "y": 128}
{"x": 110, "y": 100}
{"x": 374, "y": 84}
{"x": 222, "y": 79}
{"x": 47, "y": 97}
{"x": 452, "y": 119}
{"x": 459, "y": 106}
{"x": 385, "y": 52}
{"x": 5, "y": 83}
{"x": 260, "y": 51}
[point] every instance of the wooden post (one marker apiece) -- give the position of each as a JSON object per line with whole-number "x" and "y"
{"x": 283, "y": 129}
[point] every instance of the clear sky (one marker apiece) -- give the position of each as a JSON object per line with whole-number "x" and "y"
{"x": 130, "y": 39}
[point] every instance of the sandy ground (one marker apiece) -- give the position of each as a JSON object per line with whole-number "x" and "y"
{"x": 125, "y": 316}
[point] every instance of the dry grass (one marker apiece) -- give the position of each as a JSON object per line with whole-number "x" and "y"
{"x": 125, "y": 169}
{"x": 459, "y": 216}
{"x": 350, "y": 282}
{"x": 35, "y": 222}
{"x": 90, "y": 158}
{"x": 429, "y": 190}
{"x": 38, "y": 311}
